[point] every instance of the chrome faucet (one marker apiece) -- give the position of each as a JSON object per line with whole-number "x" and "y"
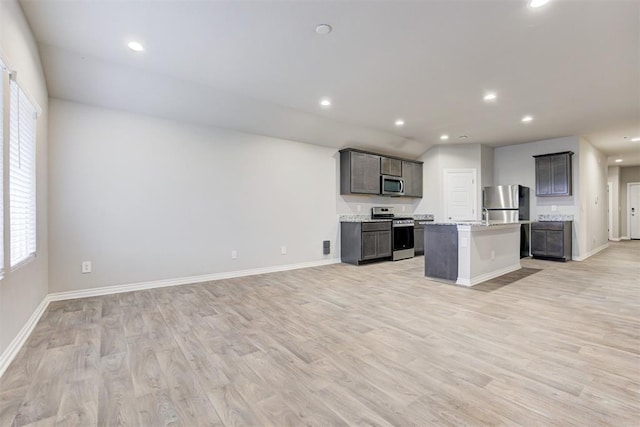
{"x": 485, "y": 216}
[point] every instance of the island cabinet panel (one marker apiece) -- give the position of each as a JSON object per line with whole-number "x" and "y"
{"x": 412, "y": 175}
{"x": 551, "y": 240}
{"x": 553, "y": 174}
{"x": 441, "y": 251}
{"x": 359, "y": 173}
{"x": 365, "y": 241}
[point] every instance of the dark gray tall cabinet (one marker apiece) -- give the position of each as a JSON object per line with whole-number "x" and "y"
{"x": 551, "y": 240}
{"x": 359, "y": 173}
{"x": 553, "y": 174}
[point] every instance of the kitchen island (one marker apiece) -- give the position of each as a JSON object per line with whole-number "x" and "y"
{"x": 468, "y": 253}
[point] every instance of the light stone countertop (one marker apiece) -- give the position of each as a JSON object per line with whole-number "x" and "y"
{"x": 554, "y": 217}
{"x": 480, "y": 224}
{"x": 367, "y": 218}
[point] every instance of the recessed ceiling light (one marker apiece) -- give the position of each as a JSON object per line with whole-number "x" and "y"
{"x": 444, "y": 137}
{"x": 399, "y": 122}
{"x": 618, "y": 160}
{"x": 323, "y": 29}
{"x": 636, "y": 139}
{"x": 325, "y": 102}
{"x": 527, "y": 119}
{"x": 538, "y": 3}
{"x": 135, "y": 46}
{"x": 463, "y": 137}
{"x": 491, "y": 96}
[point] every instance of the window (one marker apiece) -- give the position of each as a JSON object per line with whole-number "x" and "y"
{"x": 22, "y": 179}
{"x": 3, "y": 75}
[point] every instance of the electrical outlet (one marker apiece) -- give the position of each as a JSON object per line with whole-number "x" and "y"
{"x": 402, "y": 208}
{"x": 86, "y": 267}
{"x": 358, "y": 208}
{"x": 283, "y": 250}
{"x": 493, "y": 255}
{"x": 234, "y": 254}
{"x": 554, "y": 208}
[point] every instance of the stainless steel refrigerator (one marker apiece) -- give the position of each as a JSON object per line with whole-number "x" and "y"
{"x": 506, "y": 204}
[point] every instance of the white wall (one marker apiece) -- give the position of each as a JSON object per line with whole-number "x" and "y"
{"x": 21, "y": 291}
{"x": 613, "y": 176}
{"x": 627, "y": 174}
{"x": 593, "y": 198}
{"x": 441, "y": 157}
{"x": 515, "y": 164}
{"x": 147, "y": 199}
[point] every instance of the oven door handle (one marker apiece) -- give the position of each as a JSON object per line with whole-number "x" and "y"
{"x": 403, "y": 225}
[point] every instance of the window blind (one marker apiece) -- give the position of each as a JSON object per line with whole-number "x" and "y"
{"x": 3, "y": 75}
{"x": 22, "y": 182}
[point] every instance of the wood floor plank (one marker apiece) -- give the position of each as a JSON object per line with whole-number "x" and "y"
{"x": 10, "y": 402}
{"x": 116, "y": 396}
{"x": 79, "y": 403}
{"x": 146, "y": 373}
{"x": 377, "y": 344}
{"x": 232, "y": 409}
{"x": 158, "y": 409}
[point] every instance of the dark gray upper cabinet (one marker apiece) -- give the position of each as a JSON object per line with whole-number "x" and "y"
{"x": 412, "y": 174}
{"x": 553, "y": 174}
{"x": 359, "y": 173}
{"x": 389, "y": 166}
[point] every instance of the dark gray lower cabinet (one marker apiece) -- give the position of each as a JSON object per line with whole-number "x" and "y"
{"x": 418, "y": 236}
{"x": 551, "y": 240}
{"x": 365, "y": 241}
{"x": 418, "y": 239}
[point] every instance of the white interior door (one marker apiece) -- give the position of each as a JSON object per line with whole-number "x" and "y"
{"x": 633, "y": 206}
{"x": 460, "y": 194}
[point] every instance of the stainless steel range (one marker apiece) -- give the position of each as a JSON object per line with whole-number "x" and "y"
{"x": 402, "y": 240}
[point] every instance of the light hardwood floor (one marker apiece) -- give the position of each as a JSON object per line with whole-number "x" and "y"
{"x": 343, "y": 345}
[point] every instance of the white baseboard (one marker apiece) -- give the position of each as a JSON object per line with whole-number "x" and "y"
{"x": 624, "y": 238}
{"x": 14, "y": 347}
{"x": 591, "y": 252}
{"x": 615, "y": 239}
{"x": 488, "y": 276}
{"x": 108, "y": 290}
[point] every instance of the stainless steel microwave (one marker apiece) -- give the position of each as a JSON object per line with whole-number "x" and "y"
{"x": 392, "y": 185}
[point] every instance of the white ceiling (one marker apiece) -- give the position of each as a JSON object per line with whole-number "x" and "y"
{"x": 260, "y": 67}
